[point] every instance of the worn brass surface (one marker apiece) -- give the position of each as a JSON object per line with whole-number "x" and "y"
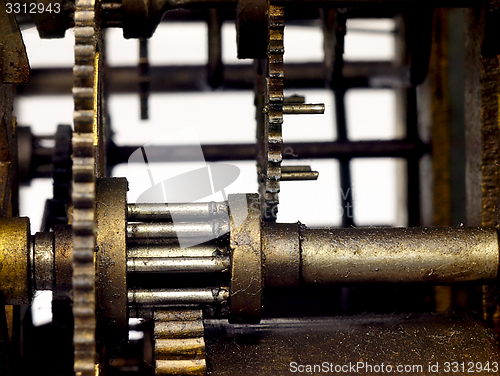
{"x": 179, "y": 343}
{"x": 63, "y": 258}
{"x": 246, "y": 260}
{"x": 281, "y": 254}
{"x": 15, "y": 285}
{"x": 43, "y": 249}
{"x": 111, "y": 256}
{"x": 399, "y": 255}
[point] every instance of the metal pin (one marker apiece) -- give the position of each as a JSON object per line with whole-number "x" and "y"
{"x": 180, "y": 212}
{"x": 178, "y": 265}
{"x": 202, "y": 230}
{"x": 294, "y": 173}
{"x": 163, "y": 251}
{"x": 165, "y": 297}
{"x": 303, "y": 108}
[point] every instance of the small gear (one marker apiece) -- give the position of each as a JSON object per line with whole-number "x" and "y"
{"x": 179, "y": 342}
{"x": 270, "y": 168}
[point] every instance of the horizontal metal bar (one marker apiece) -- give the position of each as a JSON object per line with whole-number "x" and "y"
{"x": 399, "y": 255}
{"x": 59, "y": 81}
{"x": 303, "y": 108}
{"x": 299, "y": 175}
{"x": 177, "y": 211}
{"x": 163, "y": 251}
{"x": 165, "y": 297}
{"x": 297, "y": 150}
{"x": 178, "y": 265}
{"x": 188, "y": 230}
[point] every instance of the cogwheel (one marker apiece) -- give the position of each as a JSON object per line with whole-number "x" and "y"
{"x": 179, "y": 342}
{"x": 85, "y": 135}
{"x": 273, "y": 139}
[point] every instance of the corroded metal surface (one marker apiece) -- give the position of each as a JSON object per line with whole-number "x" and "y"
{"x": 281, "y": 254}
{"x": 111, "y": 258}
{"x": 268, "y": 349}
{"x": 179, "y": 343}
{"x": 246, "y": 258}
{"x": 63, "y": 262}
{"x": 43, "y": 255}
{"x": 399, "y": 255}
{"x": 15, "y": 286}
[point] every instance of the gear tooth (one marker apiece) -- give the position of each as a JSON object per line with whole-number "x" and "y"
{"x": 271, "y": 167}
{"x": 83, "y": 187}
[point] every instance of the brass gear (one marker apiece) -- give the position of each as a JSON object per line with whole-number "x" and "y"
{"x": 85, "y": 141}
{"x": 270, "y": 168}
{"x": 179, "y": 342}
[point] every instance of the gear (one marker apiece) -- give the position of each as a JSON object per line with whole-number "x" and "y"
{"x": 270, "y": 168}
{"x": 85, "y": 140}
{"x": 179, "y": 342}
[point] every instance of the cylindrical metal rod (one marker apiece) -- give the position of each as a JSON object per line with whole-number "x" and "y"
{"x": 165, "y": 297}
{"x": 399, "y": 255}
{"x": 299, "y": 175}
{"x": 163, "y": 251}
{"x": 178, "y": 265}
{"x": 179, "y": 212}
{"x": 303, "y": 108}
{"x": 195, "y": 230}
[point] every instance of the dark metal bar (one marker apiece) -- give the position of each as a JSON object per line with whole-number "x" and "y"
{"x": 377, "y": 74}
{"x": 413, "y": 163}
{"x": 306, "y": 150}
{"x": 344, "y": 162}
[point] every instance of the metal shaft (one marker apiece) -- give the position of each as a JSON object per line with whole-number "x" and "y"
{"x": 303, "y": 108}
{"x": 178, "y": 265}
{"x": 399, "y": 255}
{"x": 148, "y": 250}
{"x": 207, "y": 230}
{"x": 178, "y": 212}
{"x": 165, "y": 297}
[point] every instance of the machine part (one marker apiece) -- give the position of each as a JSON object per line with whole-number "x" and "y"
{"x": 294, "y": 173}
{"x": 416, "y": 339}
{"x": 212, "y": 229}
{"x": 246, "y": 258}
{"x": 63, "y": 262}
{"x": 144, "y": 78}
{"x": 15, "y": 68}
{"x": 399, "y": 255}
{"x": 281, "y": 255}
{"x": 111, "y": 258}
{"x": 215, "y": 67}
{"x": 170, "y": 297}
{"x": 178, "y": 265}
{"x": 164, "y": 251}
{"x": 52, "y": 24}
{"x": 251, "y": 28}
{"x": 303, "y": 108}
{"x": 181, "y": 212}
{"x": 15, "y": 272}
{"x": 270, "y": 161}
{"x": 179, "y": 346}
{"x": 86, "y": 165}
{"x": 44, "y": 260}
